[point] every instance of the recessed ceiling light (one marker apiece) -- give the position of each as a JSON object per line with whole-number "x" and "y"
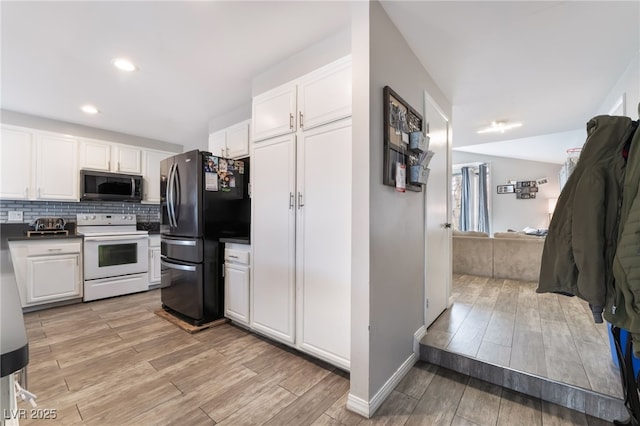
{"x": 123, "y": 64}
{"x": 499, "y": 127}
{"x": 90, "y": 109}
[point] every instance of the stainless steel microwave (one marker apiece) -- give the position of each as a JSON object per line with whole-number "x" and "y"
{"x": 105, "y": 186}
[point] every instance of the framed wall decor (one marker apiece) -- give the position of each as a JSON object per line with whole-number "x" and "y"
{"x": 506, "y": 189}
{"x": 400, "y": 119}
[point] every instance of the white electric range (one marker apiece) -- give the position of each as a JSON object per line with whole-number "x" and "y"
{"x": 116, "y": 258}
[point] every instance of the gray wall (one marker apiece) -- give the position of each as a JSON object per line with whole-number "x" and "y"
{"x": 396, "y": 219}
{"x": 313, "y": 57}
{"x": 507, "y": 212}
{"x": 229, "y": 119}
{"x": 78, "y": 130}
{"x": 629, "y": 85}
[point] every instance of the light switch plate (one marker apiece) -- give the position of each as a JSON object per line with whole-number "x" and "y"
{"x": 15, "y": 216}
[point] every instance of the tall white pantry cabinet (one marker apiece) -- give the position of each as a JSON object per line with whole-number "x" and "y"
{"x": 301, "y": 213}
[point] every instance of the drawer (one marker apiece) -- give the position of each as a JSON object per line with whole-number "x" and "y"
{"x": 42, "y": 248}
{"x": 236, "y": 256}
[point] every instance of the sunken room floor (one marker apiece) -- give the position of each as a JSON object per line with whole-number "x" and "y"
{"x": 505, "y": 322}
{"x": 114, "y": 361}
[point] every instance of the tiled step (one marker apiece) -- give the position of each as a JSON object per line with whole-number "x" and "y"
{"x": 586, "y": 401}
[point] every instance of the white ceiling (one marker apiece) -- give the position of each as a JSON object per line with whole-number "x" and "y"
{"x": 546, "y": 64}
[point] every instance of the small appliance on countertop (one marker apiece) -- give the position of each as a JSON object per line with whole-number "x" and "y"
{"x": 47, "y": 226}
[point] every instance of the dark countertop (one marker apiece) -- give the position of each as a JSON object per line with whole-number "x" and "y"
{"x": 152, "y": 227}
{"x": 236, "y": 240}
{"x": 18, "y": 232}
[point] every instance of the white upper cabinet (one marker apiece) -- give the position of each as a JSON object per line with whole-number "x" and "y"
{"x": 231, "y": 142}
{"x": 127, "y": 159}
{"x": 274, "y": 112}
{"x": 56, "y": 168}
{"x": 317, "y": 98}
{"x": 151, "y": 174}
{"x": 38, "y": 165}
{"x": 15, "y": 163}
{"x": 325, "y": 95}
{"x": 238, "y": 140}
{"x": 95, "y": 155}
{"x": 218, "y": 143}
{"x": 106, "y": 156}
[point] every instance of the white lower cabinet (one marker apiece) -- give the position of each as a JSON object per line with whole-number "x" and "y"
{"x": 154, "y": 260}
{"x": 273, "y": 238}
{"x": 47, "y": 270}
{"x": 301, "y": 239}
{"x": 236, "y": 283}
{"x": 323, "y": 243}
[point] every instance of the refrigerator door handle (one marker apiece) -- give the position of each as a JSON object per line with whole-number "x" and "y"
{"x": 176, "y": 192}
{"x": 178, "y": 267}
{"x": 171, "y": 197}
{"x": 178, "y": 242}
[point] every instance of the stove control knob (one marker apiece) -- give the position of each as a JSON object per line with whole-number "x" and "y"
{"x": 93, "y": 217}
{"x": 130, "y": 217}
{"x": 85, "y": 217}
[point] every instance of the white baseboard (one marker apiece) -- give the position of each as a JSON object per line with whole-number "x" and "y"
{"x": 393, "y": 381}
{"x": 358, "y": 405}
{"x": 417, "y": 336}
{"x": 368, "y": 408}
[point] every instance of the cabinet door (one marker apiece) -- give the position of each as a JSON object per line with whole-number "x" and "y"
{"x": 56, "y": 168}
{"x": 218, "y": 143}
{"x": 325, "y": 95}
{"x": 273, "y": 238}
{"x": 95, "y": 155}
{"x": 323, "y": 232}
{"x": 51, "y": 278}
{"x": 236, "y": 292}
{"x": 154, "y": 265}
{"x": 238, "y": 140}
{"x": 127, "y": 160}
{"x": 151, "y": 175}
{"x": 274, "y": 113}
{"x": 15, "y": 163}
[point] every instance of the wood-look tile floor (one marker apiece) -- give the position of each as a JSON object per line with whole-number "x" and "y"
{"x": 114, "y": 362}
{"x": 507, "y": 323}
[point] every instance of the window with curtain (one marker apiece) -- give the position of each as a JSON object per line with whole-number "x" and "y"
{"x": 470, "y": 197}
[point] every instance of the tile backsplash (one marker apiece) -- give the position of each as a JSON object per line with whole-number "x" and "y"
{"x": 34, "y": 209}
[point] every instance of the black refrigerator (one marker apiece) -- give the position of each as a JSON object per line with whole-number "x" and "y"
{"x": 203, "y": 198}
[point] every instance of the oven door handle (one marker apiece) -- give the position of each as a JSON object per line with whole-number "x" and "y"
{"x": 118, "y": 238}
{"x": 178, "y": 242}
{"x": 178, "y": 267}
